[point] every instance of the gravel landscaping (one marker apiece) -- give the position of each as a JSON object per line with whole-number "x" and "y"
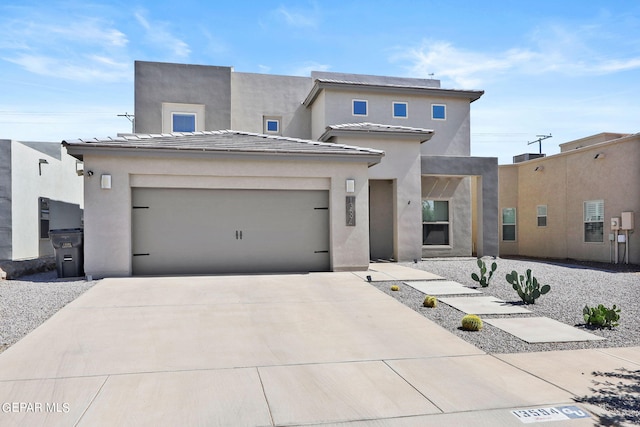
{"x": 572, "y": 286}
{"x": 27, "y": 302}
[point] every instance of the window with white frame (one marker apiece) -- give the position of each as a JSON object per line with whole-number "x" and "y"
{"x": 400, "y": 110}
{"x": 594, "y": 221}
{"x": 541, "y": 214}
{"x": 438, "y": 111}
{"x": 435, "y": 222}
{"x": 183, "y": 122}
{"x": 271, "y": 125}
{"x": 509, "y": 224}
{"x": 360, "y": 107}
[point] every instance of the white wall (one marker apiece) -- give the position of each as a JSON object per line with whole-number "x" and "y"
{"x": 58, "y": 181}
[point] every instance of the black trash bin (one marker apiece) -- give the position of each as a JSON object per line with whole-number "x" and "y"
{"x": 68, "y": 246}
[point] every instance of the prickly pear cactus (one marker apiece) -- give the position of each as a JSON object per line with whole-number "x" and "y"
{"x": 483, "y": 279}
{"x": 430, "y": 301}
{"x": 528, "y": 288}
{"x": 471, "y": 322}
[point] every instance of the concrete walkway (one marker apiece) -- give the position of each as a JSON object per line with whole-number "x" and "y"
{"x": 272, "y": 350}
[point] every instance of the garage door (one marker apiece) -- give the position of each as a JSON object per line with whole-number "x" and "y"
{"x": 194, "y": 231}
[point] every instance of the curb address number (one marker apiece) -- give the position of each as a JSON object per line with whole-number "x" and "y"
{"x": 540, "y": 415}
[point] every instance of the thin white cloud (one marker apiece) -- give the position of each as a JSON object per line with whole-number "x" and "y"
{"x": 159, "y": 35}
{"x": 80, "y": 48}
{"x": 553, "y": 49}
{"x": 91, "y": 68}
{"x": 306, "y": 68}
{"x": 299, "y": 17}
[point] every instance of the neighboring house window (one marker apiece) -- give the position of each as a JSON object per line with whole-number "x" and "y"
{"x": 509, "y": 224}
{"x": 183, "y": 122}
{"x": 400, "y": 110}
{"x": 438, "y": 111}
{"x": 542, "y": 215}
{"x": 359, "y": 107}
{"x": 271, "y": 125}
{"x": 435, "y": 222}
{"x": 44, "y": 217}
{"x": 594, "y": 221}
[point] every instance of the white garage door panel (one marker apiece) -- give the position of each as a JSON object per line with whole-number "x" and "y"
{"x": 193, "y": 231}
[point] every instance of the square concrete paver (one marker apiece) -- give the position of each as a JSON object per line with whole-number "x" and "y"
{"x": 226, "y": 397}
{"x": 441, "y": 287}
{"x": 541, "y": 329}
{"x": 574, "y": 370}
{"x": 468, "y": 383}
{"x": 388, "y": 271}
{"x": 483, "y": 305}
{"x": 631, "y": 354}
{"x": 339, "y": 392}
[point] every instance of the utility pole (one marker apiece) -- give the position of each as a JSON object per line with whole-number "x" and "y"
{"x": 539, "y": 140}
{"x": 131, "y": 118}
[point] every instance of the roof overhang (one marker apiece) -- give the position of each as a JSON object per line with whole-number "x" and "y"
{"x": 222, "y": 144}
{"x": 372, "y": 130}
{"x": 319, "y": 85}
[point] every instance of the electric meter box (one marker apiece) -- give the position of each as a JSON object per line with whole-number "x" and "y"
{"x": 615, "y": 223}
{"x": 627, "y": 221}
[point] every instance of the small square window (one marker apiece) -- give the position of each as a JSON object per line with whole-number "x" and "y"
{"x": 359, "y": 107}
{"x": 182, "y": 122}
{"x": 400, "y": 110}
{"x": 272, "y": 126}
{"x": 438, "y": 112}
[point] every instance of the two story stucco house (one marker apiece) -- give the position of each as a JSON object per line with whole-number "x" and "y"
{"x": 231, "y": 172}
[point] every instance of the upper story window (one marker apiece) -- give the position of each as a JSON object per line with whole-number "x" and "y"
{"x": 178, "y": 117}
{"x": 360, "y": 107}
{"x": 400, "y": 110}
{"x": 183, "y": 122}
{"x": 438, "y": 112}
{"x": 271, "y": 125}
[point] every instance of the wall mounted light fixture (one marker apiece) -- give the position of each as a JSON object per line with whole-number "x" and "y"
{"x": 599, "y": 156}
{"x": 40, "y": 163}
{"x": 105, "y": 182}
{"x": 351, "y": 185}
{"x": 539, "y": 168}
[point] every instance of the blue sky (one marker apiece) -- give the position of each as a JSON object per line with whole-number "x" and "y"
{"x": 566, "y": 68}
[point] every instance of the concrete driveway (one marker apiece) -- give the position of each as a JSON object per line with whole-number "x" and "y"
{"x": 269, "y": 350}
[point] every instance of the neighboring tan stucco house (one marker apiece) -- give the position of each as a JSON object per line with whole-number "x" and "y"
{"x": 562, "y": 206}
{"x": 324, "y": 173}
{"x": 40, "y": 189}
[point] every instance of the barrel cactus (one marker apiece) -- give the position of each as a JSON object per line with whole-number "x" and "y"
{"x": 395, "y": 288}
{"x": 430, "y": 301}
{"x": 471, "y": 322}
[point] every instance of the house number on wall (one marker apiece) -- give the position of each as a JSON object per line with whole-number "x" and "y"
{"x": 351, "y": 211}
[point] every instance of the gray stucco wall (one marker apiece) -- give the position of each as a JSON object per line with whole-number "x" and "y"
{"x": 451, "y": 136}
{"x": 254, "y": 96}
{"x": 157, "y": 82}
{"x": 487, "y": 169}
{"x": 5, "y": 199}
